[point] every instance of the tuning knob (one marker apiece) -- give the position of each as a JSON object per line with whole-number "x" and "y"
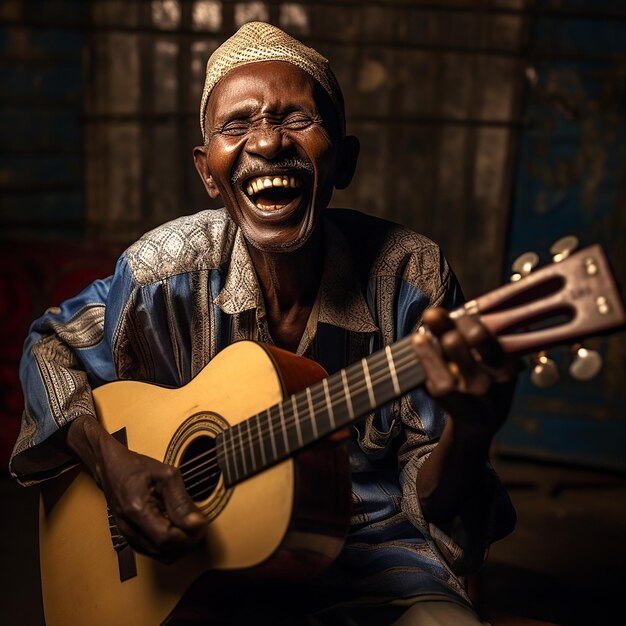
{"x": 545, "y": 373}
{"x": 562, "y": 248}
{"x": 586, "y": 363}
{"x": 524, "y": 265}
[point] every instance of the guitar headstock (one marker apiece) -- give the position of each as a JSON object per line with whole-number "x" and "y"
{"x": 559, "y": 303}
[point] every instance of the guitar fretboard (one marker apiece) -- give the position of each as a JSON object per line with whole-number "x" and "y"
{"x": 303, "y": 418}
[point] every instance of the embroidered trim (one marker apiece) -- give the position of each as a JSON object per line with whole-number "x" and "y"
{"x": 85, "y": 330}
{"x": 65, "y": 386}
{"x": 187, "y": 244}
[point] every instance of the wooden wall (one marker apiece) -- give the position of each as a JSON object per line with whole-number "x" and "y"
{"x": 431, "y": 90}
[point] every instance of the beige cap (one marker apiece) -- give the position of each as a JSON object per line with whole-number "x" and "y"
{"x": 255, "y": 42}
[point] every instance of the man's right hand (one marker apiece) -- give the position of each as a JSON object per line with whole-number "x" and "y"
{"x": 152, "y": 509}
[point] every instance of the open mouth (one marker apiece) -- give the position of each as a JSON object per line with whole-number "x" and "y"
{"x": 275, "y": 192}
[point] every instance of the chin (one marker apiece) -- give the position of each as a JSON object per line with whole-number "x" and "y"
{"x": 279, "y": 242}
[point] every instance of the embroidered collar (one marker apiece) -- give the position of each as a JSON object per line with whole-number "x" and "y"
{"x": 241, "y": 290}
{"x": 339, "y": 301}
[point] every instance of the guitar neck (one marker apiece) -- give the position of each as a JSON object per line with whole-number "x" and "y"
{"x": 305, "y": 417}
{"x": 580, "y": 289}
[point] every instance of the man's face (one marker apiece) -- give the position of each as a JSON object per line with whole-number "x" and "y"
{"x": 272, "y": 152}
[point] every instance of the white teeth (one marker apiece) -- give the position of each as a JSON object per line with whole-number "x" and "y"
{"x": 265, "y": 182}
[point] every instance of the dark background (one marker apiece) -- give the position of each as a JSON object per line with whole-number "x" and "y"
{"x": 492, "y": 126}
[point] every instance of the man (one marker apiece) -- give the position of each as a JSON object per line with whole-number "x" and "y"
{"x": 276, "y": 266}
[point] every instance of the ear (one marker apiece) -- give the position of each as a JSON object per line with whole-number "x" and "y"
{"x": 348, "y": 157}
{"x": 200, "y": 158}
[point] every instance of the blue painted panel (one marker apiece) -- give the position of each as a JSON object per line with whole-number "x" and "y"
{"x": 571, "y": 179}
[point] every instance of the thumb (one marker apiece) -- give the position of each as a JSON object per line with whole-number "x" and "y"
{"x": 180, "y": 508}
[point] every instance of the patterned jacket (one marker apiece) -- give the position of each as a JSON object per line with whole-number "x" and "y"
{"x": 188, "y": 289}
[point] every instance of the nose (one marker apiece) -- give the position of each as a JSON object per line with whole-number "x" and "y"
{"x": 266, "y": 141}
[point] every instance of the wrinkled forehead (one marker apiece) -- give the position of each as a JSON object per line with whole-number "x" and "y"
{"x": 257, "y": 42}
{"x": 275, "y": 87}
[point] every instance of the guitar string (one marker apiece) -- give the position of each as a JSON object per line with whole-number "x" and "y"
{"x": 400, "y": 363}
{"x": 289, "y": 423}
{"x": 201, "y": 469}
{"x": 206, "y": 480}
{"x": 375, "y": 379}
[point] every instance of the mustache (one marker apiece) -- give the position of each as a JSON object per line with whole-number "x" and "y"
{"x": 261, "y": 168}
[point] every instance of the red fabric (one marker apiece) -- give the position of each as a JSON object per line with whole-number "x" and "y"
{"x": 33, "y": 277}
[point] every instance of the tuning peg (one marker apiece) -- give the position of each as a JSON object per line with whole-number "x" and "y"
{"x": 562, "y": 248}
{"x": 523, "y": 265}
{"x": 545, "y": 373}
{"x": 586, "y": 363}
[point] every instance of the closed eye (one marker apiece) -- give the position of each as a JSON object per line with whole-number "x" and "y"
{"x": 297, "y": 122}
{"x": 235, "y": 128}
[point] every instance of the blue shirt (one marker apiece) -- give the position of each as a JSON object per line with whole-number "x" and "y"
{"x": 188, "y": 289}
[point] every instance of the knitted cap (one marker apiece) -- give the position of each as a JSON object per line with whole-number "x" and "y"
{"x": 255, "y": 42}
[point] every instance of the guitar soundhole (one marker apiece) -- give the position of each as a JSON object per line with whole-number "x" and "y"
{"x": 198, "y": 465}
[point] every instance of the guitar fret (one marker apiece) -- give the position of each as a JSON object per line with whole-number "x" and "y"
{"x": 392, "y": 369}
{"x": 296, "y": 419}
{"x": 382, "y": 384}
{"x": 329, "y": 404}
{"x": 359, "y": 396}
{"x": 250, "y": 445}
{"x": 261, "y": 440}
{"x": 368, "y": 381}
{"x": 339, "y": 400}
{"x": 282, "y": 425}
{"x": 270, "y": 421}
{"x": 242, "y": 454}
{"x": 410, "y": 373}
{"x": 311, "y": 413}
{"x": 277, "y": 417}
{"x": 347, "y": 394}
{"x": 305, "y": 418}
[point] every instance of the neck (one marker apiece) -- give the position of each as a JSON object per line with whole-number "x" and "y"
{"x": 290, "y": 279}
{"x": 289, "y": 283}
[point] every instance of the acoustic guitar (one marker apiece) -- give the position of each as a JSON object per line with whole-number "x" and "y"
{"x": 259, "y": 437}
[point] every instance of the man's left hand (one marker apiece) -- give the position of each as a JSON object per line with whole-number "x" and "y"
{"x": 466, "y": 371}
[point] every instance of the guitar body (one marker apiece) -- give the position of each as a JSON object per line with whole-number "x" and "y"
{"x": 294, "y": 513}
{"x": 291, "y": 517}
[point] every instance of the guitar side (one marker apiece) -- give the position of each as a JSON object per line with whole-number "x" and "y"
{"x": 263, "y": 525}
